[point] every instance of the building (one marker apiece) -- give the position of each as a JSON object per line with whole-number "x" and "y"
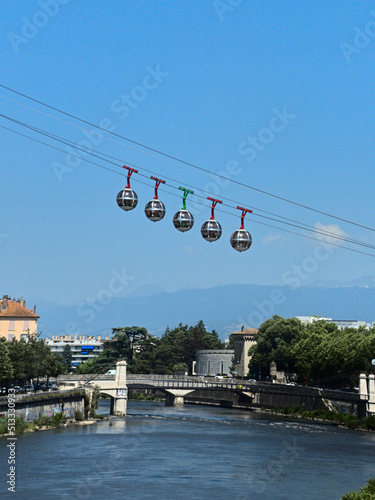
{"x": 242, "y": 341}
{"x": 17, "y": 322}
{"x": 213, "y": 362}
{"x": 82, "y": 348}
{"x": 341, "y": 323}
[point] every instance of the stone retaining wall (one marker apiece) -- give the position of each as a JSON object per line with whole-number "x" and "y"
{"x": 47, "y": 405}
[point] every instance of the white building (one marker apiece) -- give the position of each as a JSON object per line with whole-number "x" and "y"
{"x": 341, "y": 323}
{"x": 83, "y": 348}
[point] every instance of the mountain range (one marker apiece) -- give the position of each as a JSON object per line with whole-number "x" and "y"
{"x": 224, "y": 308}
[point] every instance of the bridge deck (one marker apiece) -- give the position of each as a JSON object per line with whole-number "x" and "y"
{"x": 166, "y": 382}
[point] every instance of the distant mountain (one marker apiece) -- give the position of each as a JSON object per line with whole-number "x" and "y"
{"x": 224, "y": 308}
{"x": 363, "y": 282}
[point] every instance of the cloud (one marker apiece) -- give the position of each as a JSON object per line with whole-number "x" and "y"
{"x": 271, "y": 238}
{"x": 333, "y": 229}
{"x": 190, "y": 250}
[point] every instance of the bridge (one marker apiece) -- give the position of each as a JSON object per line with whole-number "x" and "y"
{"x": 176, "y": 388}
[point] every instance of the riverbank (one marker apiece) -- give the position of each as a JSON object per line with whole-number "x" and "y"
{"x": 46, "y": 423}
{"x": 342, "y": 419}
{"x": 346, "y": 420}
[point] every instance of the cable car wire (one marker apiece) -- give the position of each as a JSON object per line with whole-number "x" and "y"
{"x": 174, "y": 158}
{"x": 78, "y": 147}
{"x": 178, "y": 196}
{"x": 100, "y": 155}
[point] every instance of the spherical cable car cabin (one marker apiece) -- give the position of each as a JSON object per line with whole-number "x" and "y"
{"x": 183, "y": 220}
{"x": 211, "y": 229}
{"x": 241, "y": 239}
{"x": 155, "y": 209}
{"x": 127, "y": 199}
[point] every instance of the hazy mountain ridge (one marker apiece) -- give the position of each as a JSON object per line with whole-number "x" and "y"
{"x": 223, "y": 308}
{"x": 363, "y": 282}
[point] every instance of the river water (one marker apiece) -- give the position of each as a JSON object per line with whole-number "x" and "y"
{"x": 190, "y": 452}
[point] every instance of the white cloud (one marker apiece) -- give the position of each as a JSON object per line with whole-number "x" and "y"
{"x": 271, "y": 238}
{"x": 333, "y": 229}
{"x": 189, "y": 249}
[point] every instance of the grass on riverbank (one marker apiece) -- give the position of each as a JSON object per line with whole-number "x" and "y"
{"x": 366, "y": 493}
{"x": 351, "y": 421}
{"x": 41, "y": 423}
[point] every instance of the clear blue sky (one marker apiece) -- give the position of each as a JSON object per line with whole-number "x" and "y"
{"x": 222, "y": 73}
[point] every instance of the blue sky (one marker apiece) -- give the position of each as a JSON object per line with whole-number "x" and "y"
{"x": 220, "y": 72}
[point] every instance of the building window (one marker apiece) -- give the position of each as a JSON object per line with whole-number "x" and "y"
{"x": 12, "y": 325}
{"x": 26, "y": 325}
{"x": 10, "y": 336}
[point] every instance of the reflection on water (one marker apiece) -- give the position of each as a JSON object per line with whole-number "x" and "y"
{"x": 191, "y": 452}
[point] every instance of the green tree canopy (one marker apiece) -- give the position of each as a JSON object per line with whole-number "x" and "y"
{"x": 319, "y": 351}
{"x": 149, "y": 354}
{"x": 6, "y": 369}
{"x": 67, "y": 357}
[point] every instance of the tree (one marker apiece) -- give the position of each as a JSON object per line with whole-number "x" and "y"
{"x": 275, "y": 341}
{"x": 67, "y": 357}
{"x": 6, "y": 369}
{"x": 19, "y": 353}
{"x": 54, "y": 365}
{"x": 148, "y": 354}
{"x": 180, "y": 345}
{"x": 136, "y": 335}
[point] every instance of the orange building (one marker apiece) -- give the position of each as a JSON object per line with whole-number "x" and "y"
{"x": 16, "y": 321}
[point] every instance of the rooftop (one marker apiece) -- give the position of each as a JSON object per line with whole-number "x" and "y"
{"x": 246, "y": 331}
{"x": 15, "y": 309}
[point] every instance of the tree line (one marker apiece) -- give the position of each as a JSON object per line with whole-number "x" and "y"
{"x": 31, "y": 359}
{"x": 319, "y": 351}
{"x": 146, "y": 353}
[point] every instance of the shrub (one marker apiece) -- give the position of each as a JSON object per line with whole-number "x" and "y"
{"x": 43, "y": 421}
{"x": 366, "y": 493}
{"x": 3, "y": 425}
{"x": 78, "y": 415}
{"x": 288, "y": 409}
{"x": 370, "y": 423}
{"x": 21, "y": 425}
{"x": 58, "y": 419}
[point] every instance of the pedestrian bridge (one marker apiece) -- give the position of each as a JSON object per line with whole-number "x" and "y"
{"x": 177, "y": 387}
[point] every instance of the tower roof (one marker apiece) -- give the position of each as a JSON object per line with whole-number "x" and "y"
{"x": 246, "y": 331}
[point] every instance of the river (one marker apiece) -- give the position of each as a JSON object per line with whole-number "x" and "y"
{"x": 190, "y": 452}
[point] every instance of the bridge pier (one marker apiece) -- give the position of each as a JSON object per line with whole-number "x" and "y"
{"x": 371, "y": 393}
{"x": 120, "y": 398}
{"x": 367, "y": 393}
{"x": 175, "y": 397}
